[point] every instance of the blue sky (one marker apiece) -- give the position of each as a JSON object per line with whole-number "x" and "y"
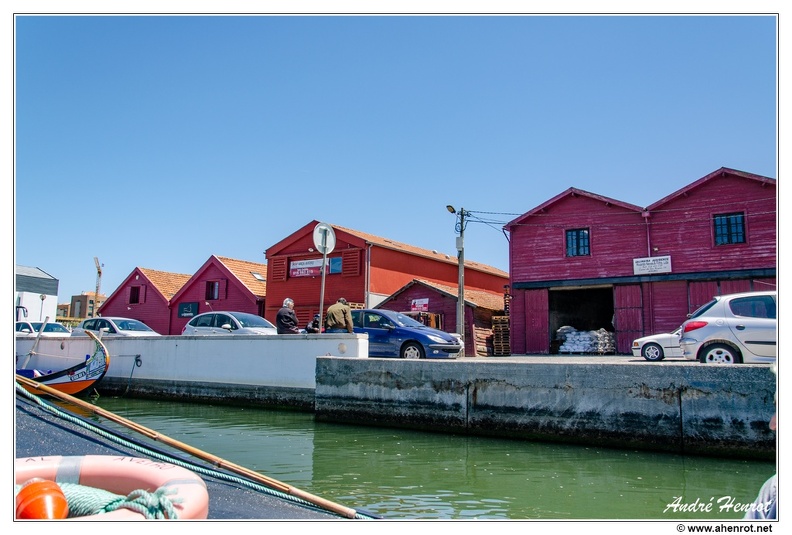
{"x": 157, "y": 141}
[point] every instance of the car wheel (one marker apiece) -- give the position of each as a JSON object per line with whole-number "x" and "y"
{"x": 652, "y": 352}
{"x": 720, "y": 354}
{"x": 412, "y": 350}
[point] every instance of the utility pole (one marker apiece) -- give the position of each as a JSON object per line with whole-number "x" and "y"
{"x": 460, "y": 245}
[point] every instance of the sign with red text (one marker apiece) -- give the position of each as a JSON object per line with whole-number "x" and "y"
{"x": 420, "y": 305}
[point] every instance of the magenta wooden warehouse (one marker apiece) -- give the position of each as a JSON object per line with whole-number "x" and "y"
{"x": 590, "y": 262}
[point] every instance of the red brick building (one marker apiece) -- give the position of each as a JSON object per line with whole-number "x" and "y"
{"x": 592, "y": 262}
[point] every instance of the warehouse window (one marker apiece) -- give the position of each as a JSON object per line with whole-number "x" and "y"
{"x": 212, "y": 290}
{"x": 134, "y": 295}
{"x": 577, "y": 242}
{"x": 729, "y": 228}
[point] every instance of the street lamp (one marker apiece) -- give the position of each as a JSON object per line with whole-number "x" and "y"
{"x": 460, "y": 245}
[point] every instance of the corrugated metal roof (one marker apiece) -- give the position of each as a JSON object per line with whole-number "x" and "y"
{"x": 32, "y": 272}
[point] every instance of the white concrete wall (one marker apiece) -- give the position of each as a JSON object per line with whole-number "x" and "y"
{"x": 279, "y": 361}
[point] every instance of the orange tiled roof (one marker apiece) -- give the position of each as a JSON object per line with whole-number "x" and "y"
{"x": 399, "y": 246}
{"x": 479, "y": 298}
{"x": 244, "y": 270}
{"x": 166, "y": 282}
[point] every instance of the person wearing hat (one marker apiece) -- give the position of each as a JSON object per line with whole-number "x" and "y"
{"x": 339, "y": 318}
{"x": 315, "y": 326}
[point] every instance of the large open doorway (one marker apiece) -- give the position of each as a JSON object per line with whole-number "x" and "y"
{"x": 586, "y": 309}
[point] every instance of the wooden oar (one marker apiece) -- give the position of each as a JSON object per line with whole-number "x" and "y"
{"x": 216, "y": 461}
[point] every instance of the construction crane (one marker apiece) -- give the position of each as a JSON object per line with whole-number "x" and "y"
{"x": 98, "y": 285}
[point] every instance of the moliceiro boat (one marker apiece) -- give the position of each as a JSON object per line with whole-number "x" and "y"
{"x": 75, "y": 378}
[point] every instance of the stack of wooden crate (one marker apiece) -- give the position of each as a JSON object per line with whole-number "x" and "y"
{"x": 500, "y": 335}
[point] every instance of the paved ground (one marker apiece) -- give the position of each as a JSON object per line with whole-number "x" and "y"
{"x": 588, "y": 359}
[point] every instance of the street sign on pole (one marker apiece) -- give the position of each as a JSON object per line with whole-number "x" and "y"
{"x": 324, "y": 240}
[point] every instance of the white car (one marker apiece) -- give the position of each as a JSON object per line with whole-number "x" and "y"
{"x": 213, "y": 323}
{"x": 32, "y": 328}
{"x": 732, "y": 329}
{"x": 113, "y": 326}
{"x": 658, "y": 346}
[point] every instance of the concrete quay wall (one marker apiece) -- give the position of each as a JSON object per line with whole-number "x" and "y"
{"x": 277, "y": 371}
{"x": 682, "y": 407}
{"x": 619, "y": 401}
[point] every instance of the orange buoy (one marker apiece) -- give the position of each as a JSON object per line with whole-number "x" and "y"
{"x": 41, "y": 499}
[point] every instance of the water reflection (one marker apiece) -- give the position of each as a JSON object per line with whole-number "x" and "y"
{"x": 408, "y": 474}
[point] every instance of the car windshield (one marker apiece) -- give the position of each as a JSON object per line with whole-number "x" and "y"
{"x": 51, "y": 328}
{"x": 251, "y": 320}
{"x": 132, "y": 325}
{"x": 404, "y": 321}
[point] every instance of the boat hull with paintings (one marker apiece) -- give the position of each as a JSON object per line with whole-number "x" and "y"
{"x": 81, "y": 372}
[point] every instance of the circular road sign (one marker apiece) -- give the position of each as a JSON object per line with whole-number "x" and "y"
{"x": 324, "y": 238}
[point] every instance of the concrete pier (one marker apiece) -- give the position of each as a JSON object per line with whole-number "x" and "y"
{"x": 619, "y": 401}
{"x": 681, "y": 407}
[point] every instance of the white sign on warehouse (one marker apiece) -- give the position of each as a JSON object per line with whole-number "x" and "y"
{"x": 652, "y": 264}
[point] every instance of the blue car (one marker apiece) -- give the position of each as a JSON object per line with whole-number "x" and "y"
{"x": 392, "y": 334}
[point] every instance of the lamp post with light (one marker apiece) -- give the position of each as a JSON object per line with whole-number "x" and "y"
{"x": 460, "y": 245}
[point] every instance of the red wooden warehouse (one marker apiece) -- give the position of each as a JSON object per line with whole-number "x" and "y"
{"x": 145, "y": 295}
{"x": 590, "y": 262}
{"x": 363, "y": 268}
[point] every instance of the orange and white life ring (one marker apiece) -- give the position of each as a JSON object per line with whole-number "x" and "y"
{"x": 121, "y": 475}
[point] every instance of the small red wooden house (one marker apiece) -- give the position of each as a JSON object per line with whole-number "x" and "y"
{"x": 423, "y": 298}
{"x": 145, "y": 295}
{"x": 363, "y": 268}
{"x": 220, "y": 284}
{"x": 591, "y": 262}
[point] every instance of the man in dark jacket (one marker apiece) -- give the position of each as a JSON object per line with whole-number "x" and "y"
{"x": 286, "y": 319}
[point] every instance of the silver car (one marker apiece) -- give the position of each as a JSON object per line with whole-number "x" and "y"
{"x": 656, "y": 347}
{"x": 732, "y": 329}
{"x": 113, "y": 326}
{"x": 210, "y": 323}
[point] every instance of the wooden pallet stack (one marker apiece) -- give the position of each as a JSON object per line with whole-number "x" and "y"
{"x": 500, "y": 335}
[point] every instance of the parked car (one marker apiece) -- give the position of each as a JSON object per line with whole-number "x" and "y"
{"x": 731, "y": 329}
{"x": 658, "y": 346}
{"x": 31, "y": 328}
{"x": 392, "y": 334}
{"x": 113, "y": 326}
{"x": 210, "y": 323}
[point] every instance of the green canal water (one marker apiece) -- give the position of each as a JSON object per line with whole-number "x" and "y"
{"x": 404, "y": 474}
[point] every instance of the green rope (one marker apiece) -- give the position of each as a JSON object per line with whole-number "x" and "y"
{"x": 87, "y": 501}
{"x": 60, "y": 413}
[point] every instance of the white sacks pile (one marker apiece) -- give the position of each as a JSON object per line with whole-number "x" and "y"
{"x": 599, "y": 341}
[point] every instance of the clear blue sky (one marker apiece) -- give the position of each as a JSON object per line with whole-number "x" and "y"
{"x": 157, "y": 141}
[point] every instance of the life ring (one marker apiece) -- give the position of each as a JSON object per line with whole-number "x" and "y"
{"x": 121, "y": 475}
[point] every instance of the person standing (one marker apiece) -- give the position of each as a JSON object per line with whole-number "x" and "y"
{"x": 286, "y": 319}
{"x": 315, "y": 326}
{"x": 339, "y": 317}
